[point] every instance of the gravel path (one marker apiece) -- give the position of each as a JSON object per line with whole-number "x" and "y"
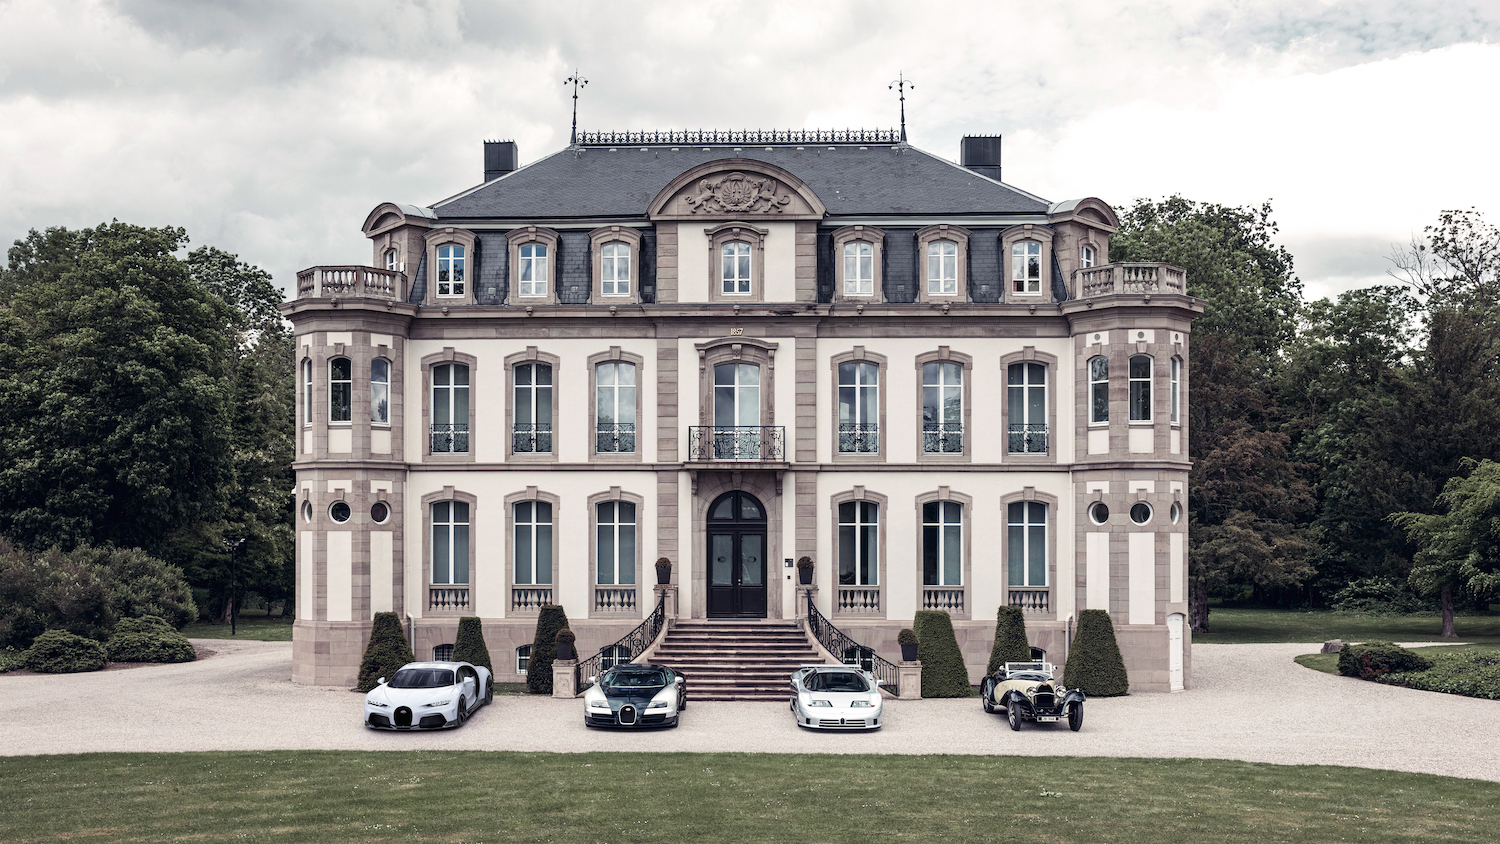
{"x": 1251, "y": 703}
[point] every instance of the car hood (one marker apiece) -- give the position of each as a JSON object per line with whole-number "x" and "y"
{"x": 411, "y": 697}
{"x": 837, "y": 698}
{"x": 635, "y": 697}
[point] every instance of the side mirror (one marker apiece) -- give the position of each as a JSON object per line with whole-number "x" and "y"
{"x": 593, "y": 678}
{"x": 681, "y": 680}
{"x": 380, "y": 682}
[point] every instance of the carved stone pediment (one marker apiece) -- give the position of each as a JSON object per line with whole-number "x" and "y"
{"x": 737, "y": 193}
{"x": 733, "y": 189}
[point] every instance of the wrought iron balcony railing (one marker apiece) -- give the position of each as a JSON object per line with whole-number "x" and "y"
{"x": 614, "y": 438}
{"x": 1028, "y": 438}
{"x": 1128, "y": 278}
{"x": 531, "y": 438}
{"x": 369, "y": 282}
{"x": 450, "y": 439}
{"x": 859, "y": 438}
{"x": 764, "y": 443}
{"x": 942, "y": 438}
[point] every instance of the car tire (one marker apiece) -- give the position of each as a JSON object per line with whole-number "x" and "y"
{"x": 1013, "y": 716}
{"x": 489, "y": 693}
{"x": 985, "y": 697}
{"x": 463, "y": 712}
{"x": 1075, "y": 717}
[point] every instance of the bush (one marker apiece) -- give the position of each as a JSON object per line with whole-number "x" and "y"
{"x": 149, "y": 639}
{"x": 1369, "y": 660}
{"x": 566, "y": 635}
{"x": 1468, "y": 673}
{"x": 1010, "y": 639}
{"x": 943, "y": 671}
{"x": 544, "y": 649}
{"x": 469, "y": 646}
{"x": 907, "y": 636}
{"x": 140, "y": 585}
{"x": 387, "y": 651}
{"x": 50, "y": 591}
{"x": 1094, "y": 662}
{"x": 11, "y": 659}
{"x": 1378, "y": 596}
{"x": 61, "y": 652}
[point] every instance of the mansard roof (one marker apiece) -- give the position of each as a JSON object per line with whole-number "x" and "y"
{"x": 594, "y": 180}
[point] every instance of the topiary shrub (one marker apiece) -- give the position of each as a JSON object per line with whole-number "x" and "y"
{"x": 544, "y": 649}
{"x": 469, "y": 646}
{"x": 1094, "y": 663}
{"x": 61, "y": 652}
{"x": 1369, "y": 660}
{"x": 943, "y": 671}
{"x": 387, "y": 651}
{"x": 148, "y": 639}
{"x": 1010, "y": 639}
{"x": 907, "y": 636}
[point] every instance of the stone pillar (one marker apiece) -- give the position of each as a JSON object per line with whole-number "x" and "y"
{"x": 669, "y": 591}
{"x": 909, "y": 675}
{"x": 565, "y": 678}
{"x": 803, "y": 594}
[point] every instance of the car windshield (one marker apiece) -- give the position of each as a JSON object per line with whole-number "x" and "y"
{"x": 1029, "y": 675}
{"x": 422, "y": 678}
{"x": 836, "y": 681}
{"x": 635, "y": 679}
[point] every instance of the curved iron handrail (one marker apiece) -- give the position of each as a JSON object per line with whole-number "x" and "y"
{"x": 838, "y": 643}
{"x": 636, "y": 641}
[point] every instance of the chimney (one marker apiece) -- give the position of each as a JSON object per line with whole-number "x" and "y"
{"x": 981, "y": 153}
{"x": 500, "y": 158}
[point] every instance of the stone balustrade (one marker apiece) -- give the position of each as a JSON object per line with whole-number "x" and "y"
{"x": 1139, "y": 278}
{"x": 352, "y": 281}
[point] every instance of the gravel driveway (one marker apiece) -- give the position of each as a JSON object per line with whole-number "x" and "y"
{"x": 1251, "y": 703}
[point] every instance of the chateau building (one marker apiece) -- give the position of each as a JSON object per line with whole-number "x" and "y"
{"x": 735, "y": 350}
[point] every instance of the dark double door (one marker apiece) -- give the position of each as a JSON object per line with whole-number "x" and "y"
{"x": 736, "y": 557}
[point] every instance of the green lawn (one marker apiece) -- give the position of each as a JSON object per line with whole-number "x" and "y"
{"x": 1240, "y": 626}
{"x": 295, "y": 796}
{"x": 254, "y": 626}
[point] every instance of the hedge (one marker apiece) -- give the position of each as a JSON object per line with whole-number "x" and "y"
{"x": 544, "y": 649}
{"x": 943, "y": 671}
{"x": 1369, "y": 660}
{"x": 1010, "y": 639}
{"x": 61, "y": 652}
{"x": 1094, "y": 662}
{"x": 387, "y": 651}
{"x": 148, "y": 639}
{"x": 1469, "y": 673}
{"x": 469, "y": 646}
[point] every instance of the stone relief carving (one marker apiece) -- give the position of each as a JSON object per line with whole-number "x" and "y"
{"x": 736, "y": 193}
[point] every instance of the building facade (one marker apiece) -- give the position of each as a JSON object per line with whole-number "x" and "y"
{"x": 734, "y": 350}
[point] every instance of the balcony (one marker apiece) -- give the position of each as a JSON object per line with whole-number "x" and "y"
{"x": 614, "y": 599}
{"x": 1109, "y": 279}
{"x": 614, "y": 438}
{"x": 1028, "y": 438}
{"x": 859, "y": 600}
{"x": 450, "y": 439}
{"x": 366, "y": 282}
{"x": 859, "y": 438}
{"x": 530, "y": 599}
{"x": 531, "y": 438}
{"x": 448, "y": 598}
{"x": 948, "y": 599}
{"x": 942, "y": 438}
{"x": 1031, "y": 600}
{"x": 743, "y": 443}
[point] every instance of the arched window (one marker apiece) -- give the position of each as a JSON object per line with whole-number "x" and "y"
{"x": 450, "y": 542}
{"x": 1026, "y": 267}
{"x": 614, "y": 408}
{"x": 942, "y": 408}
{"x": 736, "y": 431}
{"x": 1098, "y": 390}
{"x": 616, "y": 543}
{"x": 442, "y": 653}
{"x": 859, "y": 543}
{"x": 942, "y": 268}
{"x": 450, "y": 409}
{"x": 1026, "y": 534}
{"x": 859, "y": 269}
{"x": 734, "y": 272}
{"x": 1140, "y": 388}
{"x": 534, "y": 269}
{"x": 942, "y": 543}
{"x": 1026, "y": 392}
{"x": 340, "y": 390}
{"x": 523, "y": 659}
{"x": 450, "y": 270}
{"x": 533, "y": 542}
{"x": 380, "y": 391}
{"x": 532, "y": 432}
{"x": 614, "y": 268}
{"x": 859, "y": 408}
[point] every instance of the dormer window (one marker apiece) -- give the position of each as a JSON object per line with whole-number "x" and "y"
{"x": 390, "y": 260}
{"x": 1087, "y": 259}
{"x": 859, "y": 268}
{"x": 942, "y": 268}
{"x": 450, "y": 270}
{"x": 533, "y": 270}
{"x": 614, "y": 266}
{"x": 943, "y": 253}
{"x": 1026, "y": 267}
{"x": 734, "y": 273}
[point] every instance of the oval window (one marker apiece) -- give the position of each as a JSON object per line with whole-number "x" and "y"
{"x": 307, "y": 511}
{"x": 379, "y": 512}
{"x": 1140, "y": 513}
{"x": 1098, "y": 513}
{"x": 339, "y": 512}
{"x": 1176, "y": 512}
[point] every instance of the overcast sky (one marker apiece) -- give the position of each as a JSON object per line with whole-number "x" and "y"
{"x": 270, "y": 129}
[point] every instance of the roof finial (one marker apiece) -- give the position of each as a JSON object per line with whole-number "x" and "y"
{"x": 577, "y": 82}
{"x": 900, "y": 86}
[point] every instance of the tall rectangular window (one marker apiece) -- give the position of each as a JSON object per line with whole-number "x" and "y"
{"x": 1088, "y": 257}
{"x": 859, "y": 408}
{"x": 450, "y": 270}
{"x": 534, "y": 269}
{"x": 859, "y": 269}
{"x": 942, "y": 408}
{"x": 307, "y": 392}
{"x": 1098, "y": 389}
{"x": 390, "y": 260}
{"x": 1140, "y": 388}
{"x": 533, "y": 543}
{"x": 1176, "y": 387}
{"x": 942, "y": 268}
{"x": 340, "y": 390}
{"x": 1026, "y": 526}
{"x": 1026, "y": 267}
{"x": 859, "y": 547}
{"x": 942, "y": 543}
{"x": 615, "y": 543}
{"x": 380, "y": 391}
{"x": 614, "y": 269}
{"x": 614, "y": 408}
{"x": 533, "y": 409}
{"x": 450, "y": 408}
{"x": 734, "y": 270}
{"x": 1026, "y": 394}
{"x": 450, "y": 542}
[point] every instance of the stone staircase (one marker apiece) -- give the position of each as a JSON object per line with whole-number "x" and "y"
{"x": 736, "y": 660}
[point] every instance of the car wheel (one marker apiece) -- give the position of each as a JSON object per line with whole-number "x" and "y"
{"x": 463, "y": 712}
{"x": 985, "y": 697}
{"x": 1075, "y": 717}
{"x": 489, "y": 693}
{"x": 1013, "y": 715}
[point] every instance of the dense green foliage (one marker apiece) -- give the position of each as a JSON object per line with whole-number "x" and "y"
{"x": 907, "y": 636}
{"x": 387, "y": 651}
{"x": 1094, "y": 662}
{"x": 1472, "y": 674}
{"x": 1369, "y": 660}
{"x": 1010, "y": 639}
{"x": 469, "y": 645}
{"x": 12, "y": 659}
{"x": 1244, "y": 625}
{"x": 1378, "y": 596}
{"x": 549, "y": 621}
{"x": 148, "y": 639}
{"x": 943, "y": 670}
{"x": 61, "y": 652}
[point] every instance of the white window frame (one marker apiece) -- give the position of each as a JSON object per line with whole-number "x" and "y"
{"x": 1144, "y": 384}
{"x": 942, "y": 524}
{"x": 451, "y": 525}
{"x": 859, "y": 268}
{"x": 942, "y": 259}
{"x": 452, "y": 261}
{"x": 390, "y": 259}
{"x": 1086, "y": 260}
{"x": 344, "y": 386}
{"x": 534, "y": 526}
{"x": 614, "y": 268}
{"x": 861, "y": 540}
{"x": 1176, "y": 390}
{"x": 533, "y": 278}
{"x": 1026, "y": 388}
{"x": 1026, "y": 525}
{"x": 615, "y": 526}
{"x": 735, "y": 254}
{"x": 615, "y": 397}
{"x": 523, "y": 659}
{"x": 445, "y": 396}
{"x": 528, "y": 397}
{"x": 1022, "y": 253}
{"x": 380, "y": 392}
{"x": 307, "y": 391}
{"x": 943, "y": 386}
{"x": 865, "y": 396}
{"x": 1098, "y": 388}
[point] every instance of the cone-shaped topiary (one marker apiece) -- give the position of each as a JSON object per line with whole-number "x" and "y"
{"x": 943, "y": 671}
{"x": 61, "y": 652}
{"x": 1010, "y": 639}
{"x": 469, "y": 646}
{"x": 149, "y": 639}
{"x": 1094, "y": 662}
{"x": 544, "y": 649}
{"x": 387, "y": 651}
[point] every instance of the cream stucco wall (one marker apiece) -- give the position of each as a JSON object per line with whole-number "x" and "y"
{"x": 695, "y": 274}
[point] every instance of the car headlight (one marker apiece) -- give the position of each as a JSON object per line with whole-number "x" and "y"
{"x": 369, "y": 702}
{"x": 862, "y": 703}
{"x": 435, "y": 704}
{"x": 657, "y": 704}
{"x": 819, "y": 703}
{"x": 598, "y": 704}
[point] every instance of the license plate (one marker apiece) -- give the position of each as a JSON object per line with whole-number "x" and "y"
{"x": 1045, "y": 718}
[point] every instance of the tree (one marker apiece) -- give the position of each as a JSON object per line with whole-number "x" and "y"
{"x": 1010, "y": 639}
{"x": 1460, "y": 548}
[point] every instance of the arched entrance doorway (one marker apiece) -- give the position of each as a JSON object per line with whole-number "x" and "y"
{"x": 736, "y": 557}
